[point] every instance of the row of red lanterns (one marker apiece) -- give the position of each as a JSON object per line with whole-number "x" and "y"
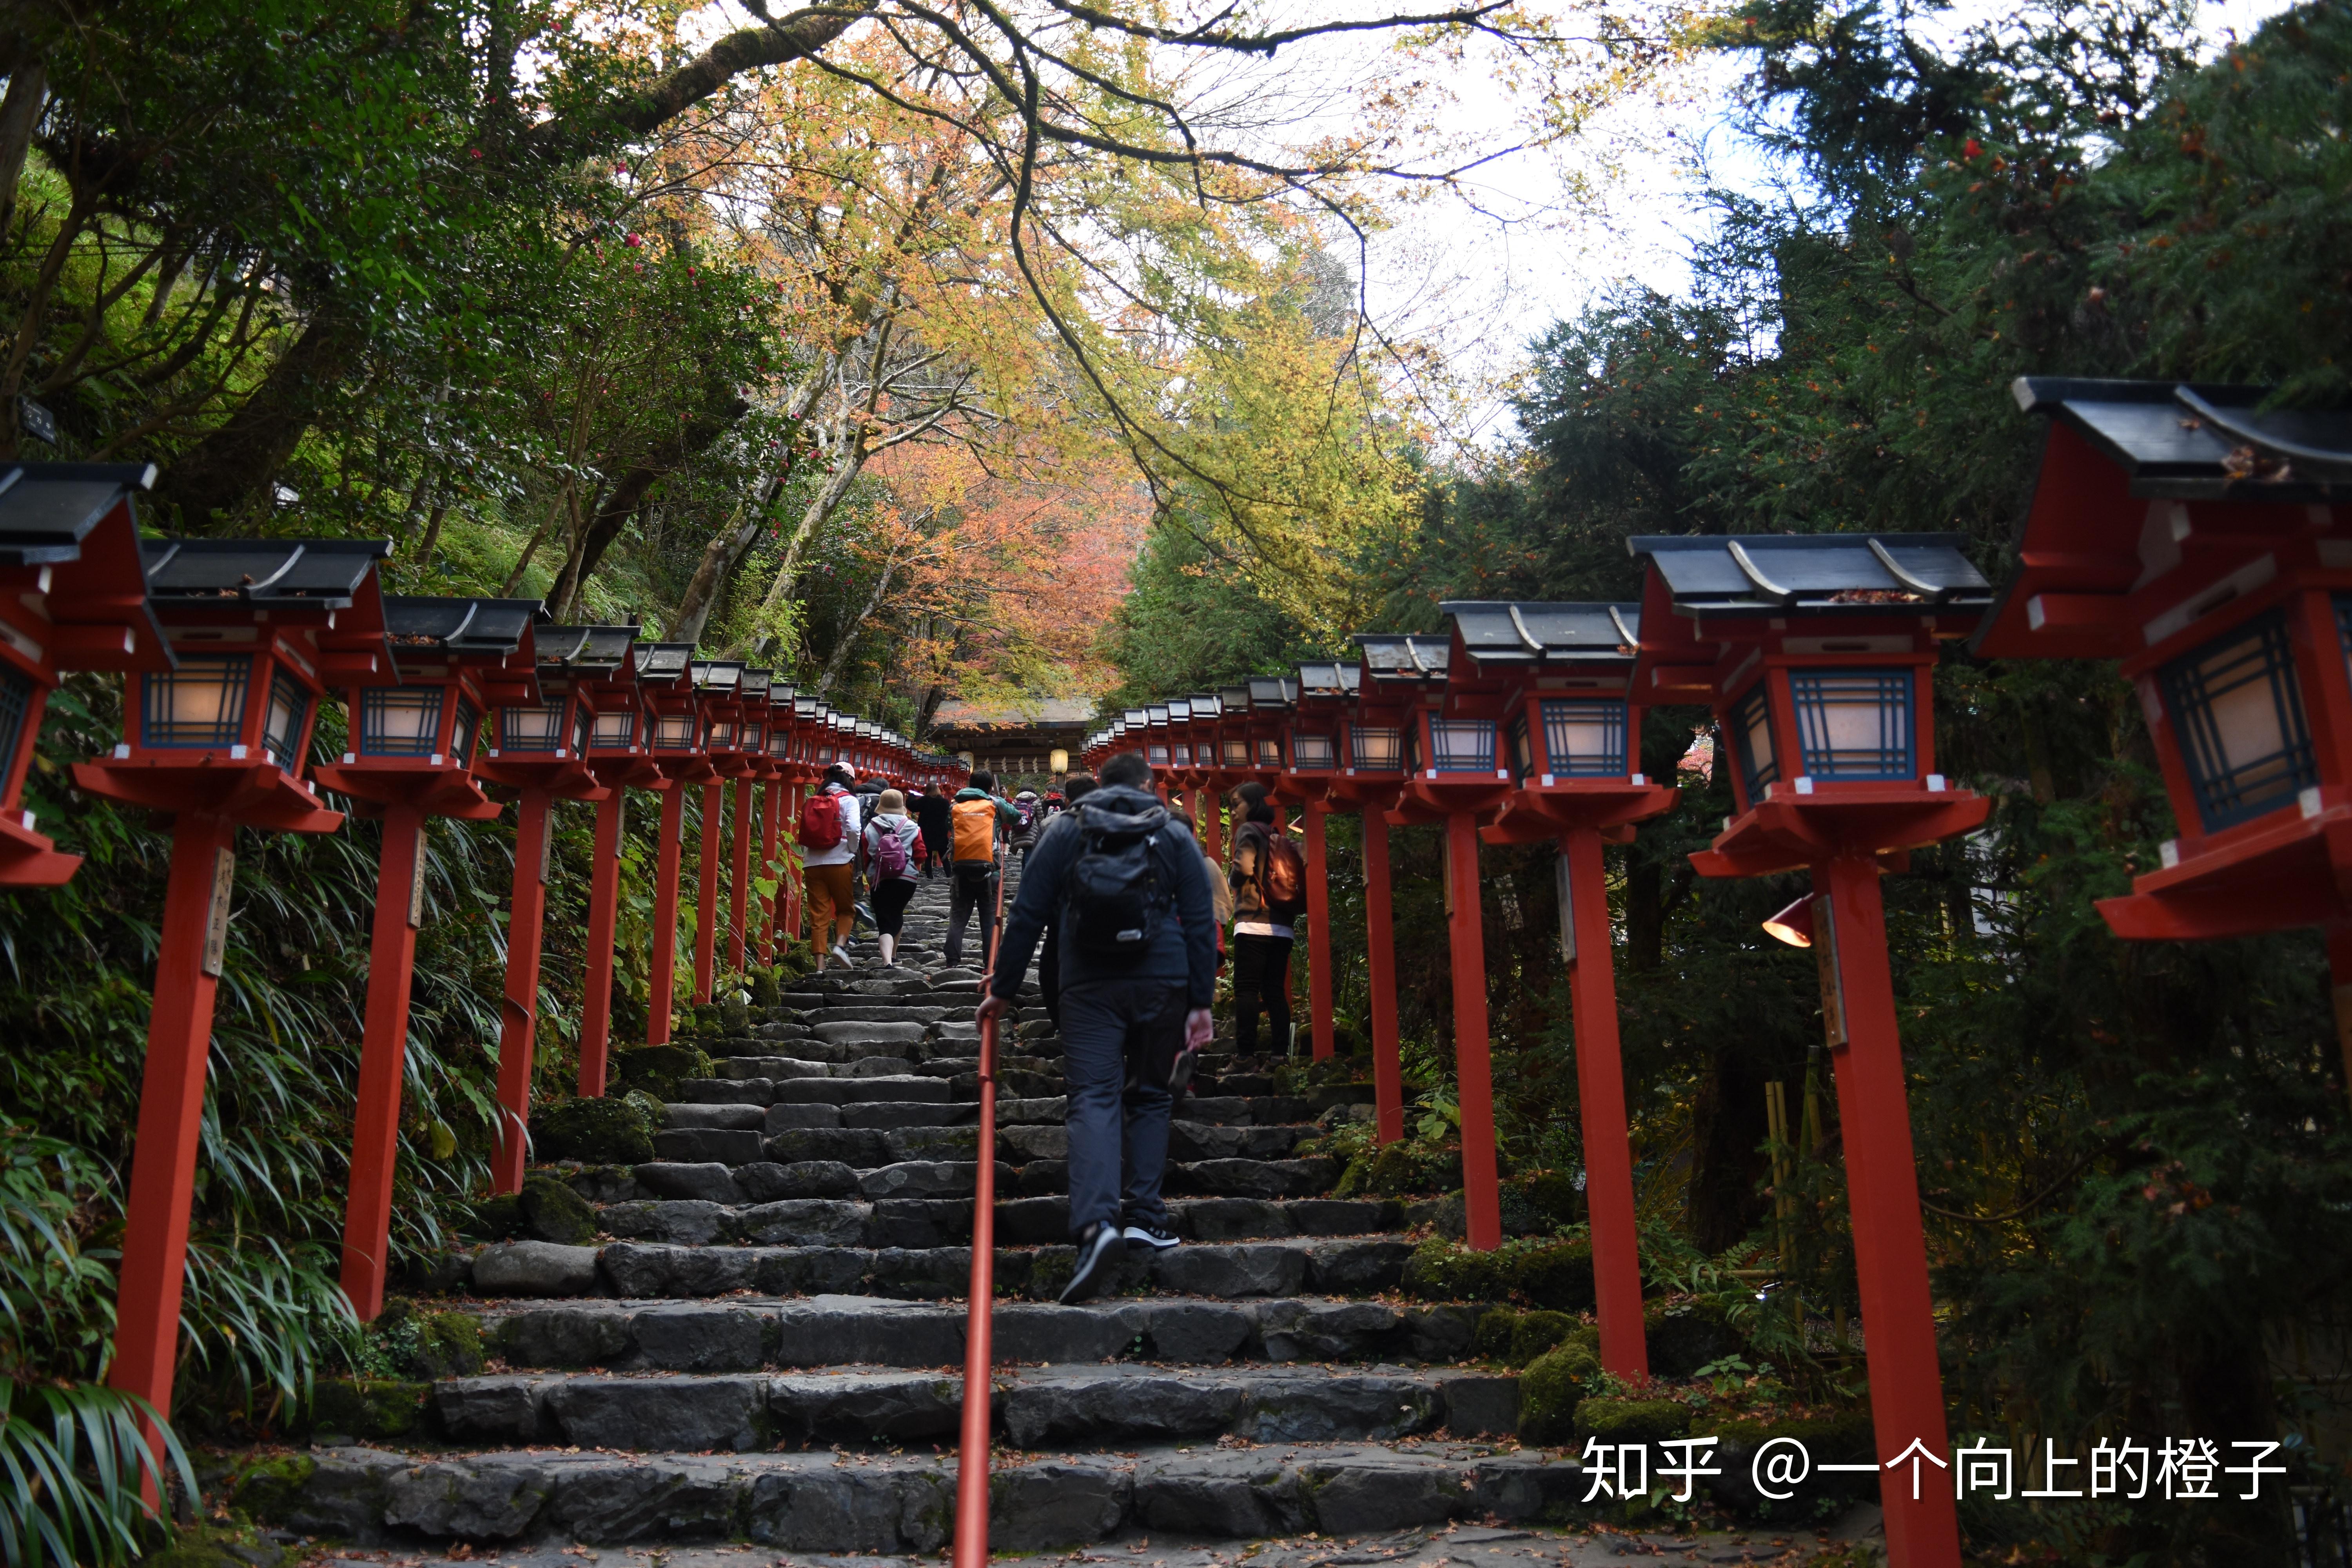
{"x": 2204, "y": 542}
{"x": 234, "y": 644}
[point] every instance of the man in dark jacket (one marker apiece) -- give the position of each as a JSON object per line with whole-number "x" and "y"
{"x": 1126, "y": 1021}
{"x": 936, "y": 816}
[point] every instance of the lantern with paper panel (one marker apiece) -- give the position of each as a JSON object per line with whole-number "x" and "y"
{"x": 218, "y": 742}
{"x": 1271, "y": 699}
{"x": 1316, "y": 734}
{"x": 1817, "y": 653}
{"x": 260, "y": 629}
{"x": 2207, "y": 543}
{"x": 752, "y": 697}
{"x": 411, "y": 737}
{"x": 1558, "y": 675}
{"x": 621, "y": 723}
{"x": 73, "y": 596}
{"x": 1180, "y": 743}
{"x": 720, "y": 684}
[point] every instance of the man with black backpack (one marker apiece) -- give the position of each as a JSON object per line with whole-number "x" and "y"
{"x": 1269, "y": 883}
{"x": 1130, "y": 893}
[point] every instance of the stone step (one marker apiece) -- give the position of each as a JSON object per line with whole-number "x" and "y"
{"x": 1033, "y": 1407}
{"x": 749, "y": 1334}
{"x": 842, "y": 1221}
{"x": 816, "y": 1503}
{"x": 643, "y": 1270}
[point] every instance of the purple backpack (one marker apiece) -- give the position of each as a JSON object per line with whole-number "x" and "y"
{"x": 889, "y": 852}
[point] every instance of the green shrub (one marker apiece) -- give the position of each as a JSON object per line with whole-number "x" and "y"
{"x": 1553, "y": 1387}
{"x": 611, "y": 1130}
{"x": 1541, "y": 1201}
{"x": 1537, "y": 1333}
{"x": 1631, "y": 1420}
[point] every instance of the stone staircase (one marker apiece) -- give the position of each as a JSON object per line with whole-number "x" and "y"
{"x": 768, "y": 1346}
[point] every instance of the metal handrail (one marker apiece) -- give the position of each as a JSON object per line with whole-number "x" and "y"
{"x": 979, "y": 1337}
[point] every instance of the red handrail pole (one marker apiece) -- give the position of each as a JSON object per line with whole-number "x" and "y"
{"x": 979, "y": 1337}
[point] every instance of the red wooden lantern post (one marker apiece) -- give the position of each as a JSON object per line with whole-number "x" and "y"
{"x": 1453, "y": 773}
{"x": 665, "y": 671}
{"x": 411, "y": 749}
{"x": 73, "y": 595}
{"x": 1817, "y": 653}
{"x": 1310, "y": 757}
{"x": 1201, "y": 727}
{"x": 1573, "y": 742}
{"x": 779, "y": 750}
{"x": 754, "y": 769}
{"x": 2209, "y": 547}
{"x": 800, "y": 773}
{"x": 1372, "y": 779}
{"x": 540, "y": 750}
{"x": 259, "y": 627}
{"x": 720, "y": 684}
{"x": 620, "y": 755}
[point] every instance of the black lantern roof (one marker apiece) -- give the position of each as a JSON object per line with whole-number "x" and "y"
{"x": 1272, "y": 691}
{"x": 1232, "y": 699}
{"x": 1329, "y": 679}
{"x": 1501, "y": 632}
{"x": 585, "y": 650}
{"x": 719, "y": 677}
{"x": 663, "y": 661}
{"x": 1204, "y": 706}
{"x": 1814, "y": 574}
{"x": 780, "y": 691}
{"x": 480, "y": 628}
{"x": 1389, "y": 655}
{"x": 311, "y": 574}
{"x": 46, "y": 509}
{"x": 1180, "y": 710}
{"x": 756, "y": 683}
{"x": 2202, "y": 442}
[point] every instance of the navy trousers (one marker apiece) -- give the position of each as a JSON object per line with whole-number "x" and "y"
{"x": 1118, "y": 1134}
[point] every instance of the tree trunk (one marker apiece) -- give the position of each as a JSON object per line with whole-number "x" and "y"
{"x": 28, "y": 94}
{"x": 848, "y": 639}
{"x": 220, "y": 473}
{"x": 604, "y": 525}
{"x": 779, "y": 593}
{"x": 720, "y": 557}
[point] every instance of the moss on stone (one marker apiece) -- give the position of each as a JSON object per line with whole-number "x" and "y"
{"x": 765, "y": 992}
{"x": 656, "y": 1069}
{"x": 268, "y": 1488}
{"x": 1551, "y": 1274}
{"x": 607, "y": 1130}
{"x": 449, "y": 1345}
{"x": 1686, "y": 1335}
{"x": 1553, "y": 1388}
{"x": 496, "y": 1218}
{"x": 1631, "y": 1420}
{"x": 368, "y": 1407}
{"x": 551, "y": 1211}
{"x": 1537, "y": 1333}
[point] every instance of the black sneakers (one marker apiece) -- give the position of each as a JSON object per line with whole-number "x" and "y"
{"x": 1157, "y": 1237}
{"x": 1094, "y": 1255}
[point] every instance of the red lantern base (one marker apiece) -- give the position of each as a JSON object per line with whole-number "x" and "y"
{"x": 28, "y": 860}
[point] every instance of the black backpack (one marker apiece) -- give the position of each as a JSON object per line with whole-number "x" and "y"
{"x": 1111, "y": 897}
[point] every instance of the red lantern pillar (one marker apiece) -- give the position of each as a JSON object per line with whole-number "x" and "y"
{"x": 789, "y": 871}
{"x": 1380, "y": 973}
{"x": 1601, "y": 1105}
{"x": 384, "y": 1055}
{"x": 1474, "y": 1072}
{"x": 1906, "y": 1388}
{"x": 603, "y": 917}
{"x": 738, "y": 927}
{"x": 706, "y": 913}
{"x": 662, "y": 983}
{"x": 519, "y": 1020}
{"x": 1318, "y": 930}
{"x": 153, "y": 1271}
{"x": 772, "y": 798}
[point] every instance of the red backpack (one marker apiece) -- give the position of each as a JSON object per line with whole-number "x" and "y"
{"x": 820, "y": 822}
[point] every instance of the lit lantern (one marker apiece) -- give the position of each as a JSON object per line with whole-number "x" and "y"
{"x": 1817, "y": 654}
{"x": 665, "y": 672}
{"x": 73, "y": 595}
{"x": 1371, "y": 782}
{"x": 1452, "y": 775}
{"x": 2209, "y": 547}
{"x": 411, "y": 740}
{"x": 259, "y": 627}
{"x": 620, "y": 756}
{"x": 538, "y": 747}
{"x": 1271, "y": 697}
{"x": 1558, "y": 675}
